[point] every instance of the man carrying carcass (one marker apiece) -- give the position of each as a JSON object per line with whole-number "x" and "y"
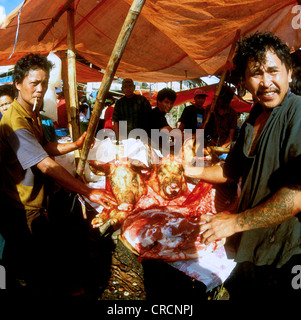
{"x": 266, "y": 158}
{"x": 27, "y": 168}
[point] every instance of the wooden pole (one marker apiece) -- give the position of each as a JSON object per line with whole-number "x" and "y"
{"x": 73, "y": 99}
{"x": 63, "y": 56}
{"x": 113, "y": 63}
{"x": 222, "y": 80}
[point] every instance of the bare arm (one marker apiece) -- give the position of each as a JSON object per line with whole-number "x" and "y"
{"x": 283, "y": 205}
{"x": 166, "y": 129}
{"x": 212, "y": 174}
{"x": 229, "y": 139}
{"x": 57, "y": 149}
{"x": 182, "y": 126}
{"x": 64, "y": 178}
{"x": 280, "y": 207}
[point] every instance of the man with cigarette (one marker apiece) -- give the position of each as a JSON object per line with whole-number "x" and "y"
{"x": 27, "y": 166}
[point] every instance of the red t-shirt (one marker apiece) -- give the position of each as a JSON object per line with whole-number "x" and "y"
{"x": 108, "y": 118}
{"x": 62, "y": 119}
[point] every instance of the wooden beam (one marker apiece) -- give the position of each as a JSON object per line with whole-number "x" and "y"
{"x": 113, "y": 63}
{"x": 55, "y": 19}
{"x": 63, "y": 56}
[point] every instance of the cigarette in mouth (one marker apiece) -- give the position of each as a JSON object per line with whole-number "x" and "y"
{"x": 35, "y": 104}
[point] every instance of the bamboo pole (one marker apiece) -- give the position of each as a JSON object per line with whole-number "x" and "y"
{"x": 63, "y": 56}
{"x": 113, "y": 63}
{"x": 222, "y": 80}
{"x": 73, "y": 99}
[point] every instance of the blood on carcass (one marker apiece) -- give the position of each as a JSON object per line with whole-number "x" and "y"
{"x": 167, "y": 179}
{"x": 201, "y": 200}
{"x": 163, "y": 223}
{"x": 162, "y": 184}
{"x": 171, "y": 232}
{"x": 151, "y": 198}
{"x": 127, "y": 185}
{"x": 159, "y": 233}
{"x": 191, "y": 204}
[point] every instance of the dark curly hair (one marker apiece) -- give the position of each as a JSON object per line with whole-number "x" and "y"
{"x": 167, "y": 93}
{"x": 30, "y": 62}
{"x": 256, "y": 46}
{"x": 295, "y": 85}
{"x": 8, "y": 90}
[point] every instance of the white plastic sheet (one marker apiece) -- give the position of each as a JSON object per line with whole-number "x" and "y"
{"x": 50, "y": 105}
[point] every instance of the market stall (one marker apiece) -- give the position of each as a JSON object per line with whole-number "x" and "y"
{"x": 193, "y": 54}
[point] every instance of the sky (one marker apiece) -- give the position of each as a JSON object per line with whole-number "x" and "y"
{"x": 7, "y": 6}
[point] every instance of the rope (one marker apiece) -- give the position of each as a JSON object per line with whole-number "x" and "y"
{"x": 17, "y": 32}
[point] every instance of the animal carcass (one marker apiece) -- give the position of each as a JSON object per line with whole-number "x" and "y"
{"x": 172, "y": 232}
{"x": 126, "y": 183}
{"x": 166, "y": 185}
{"x": 159, "y": 233}
{"x": 167, "y": 179}
{"x": 136, "y": 186}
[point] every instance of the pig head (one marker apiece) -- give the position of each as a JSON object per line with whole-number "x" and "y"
{"x": 167, "y": 178}
{"x": 127, "y": 186}
{"x": 125, "y": 181}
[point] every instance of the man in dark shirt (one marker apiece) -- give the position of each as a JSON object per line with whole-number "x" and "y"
{"x": 132, "y": 108}
{"x": 158, "y": 123}
{"x": 193, "y": 115}
{"x": 266, "y": 227}
{"x": 222, "y": 124}
{"x": 165, "y": 101}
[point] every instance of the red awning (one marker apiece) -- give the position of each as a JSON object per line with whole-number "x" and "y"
{"x": 171, "y": 41}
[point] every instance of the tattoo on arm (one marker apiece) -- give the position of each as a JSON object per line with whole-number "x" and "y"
{"x": 280, "y": 207}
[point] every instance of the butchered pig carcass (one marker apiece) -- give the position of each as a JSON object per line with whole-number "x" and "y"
{"x": 166, "y": 184}
{"x": 136, "y": 186}
{"x": 162, "y": 186}
{"x": 126, "y": 167}
{"x": 167, "y": 178}
{"x": 172, "y": 232}
{"x": 127, "y": 184}
{"x": 161, "y": 234}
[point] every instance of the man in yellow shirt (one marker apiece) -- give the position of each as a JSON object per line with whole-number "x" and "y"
{"x": 26, "y": 165}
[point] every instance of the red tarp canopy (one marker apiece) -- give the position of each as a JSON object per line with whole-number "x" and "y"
{"x": 86, "y": 74}
{"x": 172, "y": 40}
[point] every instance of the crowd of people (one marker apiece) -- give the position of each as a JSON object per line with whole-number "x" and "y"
{"x": 263, "y": 161}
